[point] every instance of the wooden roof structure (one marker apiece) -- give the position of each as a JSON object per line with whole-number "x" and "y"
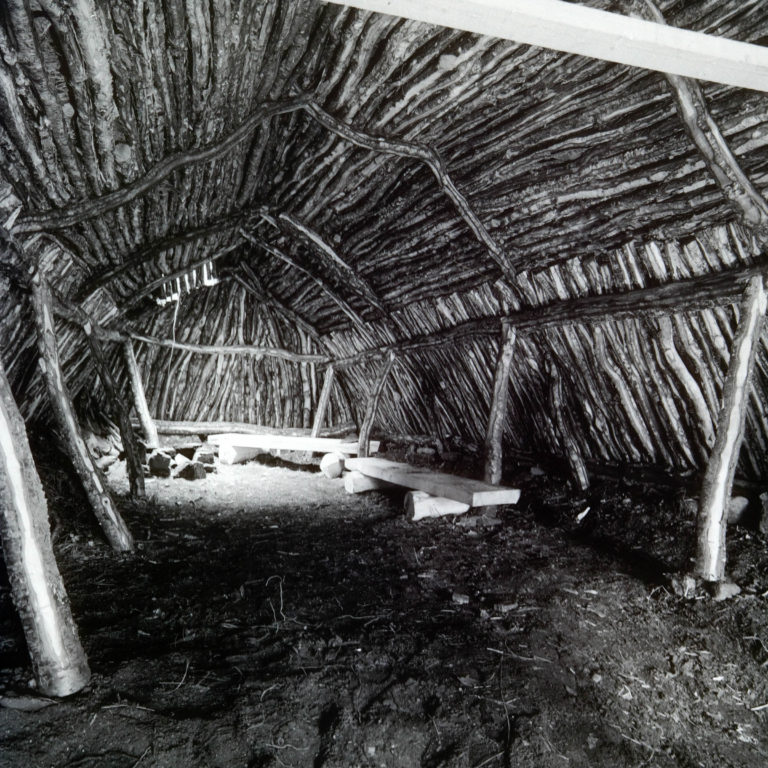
{"x": 540, "y": 230}
{"x": 361, "y": 183}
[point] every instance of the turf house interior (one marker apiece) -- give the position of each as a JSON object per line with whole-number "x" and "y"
{"x": 383, "y": 384}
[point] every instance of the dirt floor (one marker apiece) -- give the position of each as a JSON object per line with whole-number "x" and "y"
{"x": 270, "y": 619}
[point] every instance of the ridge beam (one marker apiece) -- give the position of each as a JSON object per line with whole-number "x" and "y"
{"x": 578, "y": 29}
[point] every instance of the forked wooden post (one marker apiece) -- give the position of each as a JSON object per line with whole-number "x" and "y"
{"x": 322, "y": 403}
{"x": 495, "y": 433}
{"x": 58, "y": 659}
{"x": 103, "y": 507}
{"x": 718, "y": 478}
{"x": 133, "y": 459}
{"x": 373, "y": 405}
{"x": 148, "y": 426}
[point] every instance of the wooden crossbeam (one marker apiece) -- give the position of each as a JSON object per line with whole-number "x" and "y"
{"x": 574, "y": 28}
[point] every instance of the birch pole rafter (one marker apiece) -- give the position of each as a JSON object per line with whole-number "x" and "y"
{"x": 342, "y": 304}
{"x": 738, "y": 190}
{"x": 498, "y": 412}
{"x": 58, "y": 659}
{"x": 332, "y": 258}
{"x": 73, "y": 444}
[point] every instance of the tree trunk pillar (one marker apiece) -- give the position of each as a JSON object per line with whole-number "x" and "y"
{"x": 103, "y": 507}
{"x": 322, "y": 403}
{"x": 58, "y": 659}
{"x": 718, "y": 478}
{"x": 148, "y": 426}
{"x": 373, "y": 406}
{"x": 495, "y": 433}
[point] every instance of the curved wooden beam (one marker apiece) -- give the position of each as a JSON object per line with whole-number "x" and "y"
{"x": 88, "y": 209}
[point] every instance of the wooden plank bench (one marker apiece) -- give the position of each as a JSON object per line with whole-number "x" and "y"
{"x": 474, "y": 493}
{"x": 235, "y": 448}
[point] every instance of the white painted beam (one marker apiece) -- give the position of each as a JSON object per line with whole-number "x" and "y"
{"x": 573, "y": 28}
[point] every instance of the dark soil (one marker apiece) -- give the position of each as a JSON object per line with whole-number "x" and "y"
{"x": 270, "y": 619}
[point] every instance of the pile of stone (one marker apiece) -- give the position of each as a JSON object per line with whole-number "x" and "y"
{"x": 189, "y": 461}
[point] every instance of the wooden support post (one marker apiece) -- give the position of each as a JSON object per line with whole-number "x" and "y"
{"x": 718, "y": 478}
{"x": 103, "y": 507}
{"x": 133, "y": 459}
{"x": 373, "y": 405}
{"x": 58, "y": 660}
{"x": 322, "y": 403}
{"x": 498, "y": 415}
{"x": 148, "y": 425}
{"x": 572, "y": 450}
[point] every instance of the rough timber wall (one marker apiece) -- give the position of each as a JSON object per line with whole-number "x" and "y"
{"x": 360, "y": 180}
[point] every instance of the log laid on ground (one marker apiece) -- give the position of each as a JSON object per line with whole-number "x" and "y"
{"x": 101, "y": 502}
{"x": 357, "y": 482}
{"x": 58, "y": 660}
{"x": 234, "y": 448}
{"x": 332, "y": 464}
{"x": 718, "y": 478}
{"x": 476, "y": 493}
{"x": 419, "y": 505}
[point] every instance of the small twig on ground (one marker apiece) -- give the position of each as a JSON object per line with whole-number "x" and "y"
{"x": 759, "y": 709}
{"x": 280, "y": 583}
{"x": 143, "y": 755}
{"x": 489, "y": 759}
{"x": 127, "y": 706}
{"x": 180, "y": 682}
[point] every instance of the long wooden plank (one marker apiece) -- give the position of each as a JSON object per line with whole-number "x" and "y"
{"x": 574, "y": 28}
{"x": 473, "y": 492}
{"x": 290, "y": 443}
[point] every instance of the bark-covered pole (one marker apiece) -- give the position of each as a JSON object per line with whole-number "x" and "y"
{"x": 718, "y": 478}
{"x": 133, "y": 460}
{"x": 58, "y": 659}
{"x": 148, "y": 426}
{"x": 498, "y": 415}
{"x": 373, "y": 405}
{"x": 103, "y": 507}
{"x": 572, "y": 451}
{"x": 322, "y": 403}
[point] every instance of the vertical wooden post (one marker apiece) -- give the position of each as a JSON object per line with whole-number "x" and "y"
{"x": 718, "y": 478}
{"x": 495, "y": 433}
{"x": 148, "y": 426}
{"x": 572, "y": 450}
{"x": 133, "y": 459}
{"x": 58, "y": 659}
{"x": 103, "y": 507}
{"x": 373, "y": 404}
{"x": 322, "y": 403}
